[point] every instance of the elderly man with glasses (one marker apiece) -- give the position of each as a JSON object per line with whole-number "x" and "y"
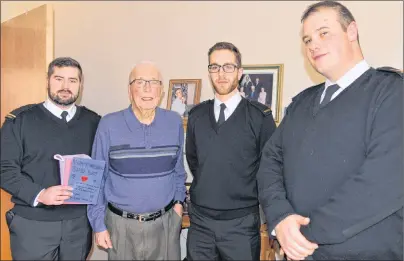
{"x": 224, "y": 141}
{"x": 139, "y": 210}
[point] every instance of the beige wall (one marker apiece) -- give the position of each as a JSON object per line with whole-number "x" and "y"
{"x": 108, "y": 38}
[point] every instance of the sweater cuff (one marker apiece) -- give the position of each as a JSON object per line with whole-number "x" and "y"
{"x": 28, "y": 192}
{"x": 179, "y": 196}
{"x": 36, "y": 199}
{"x": 99, "y": 225}
{"x": 275, "y": 213}
{"x": 307, "y": 233}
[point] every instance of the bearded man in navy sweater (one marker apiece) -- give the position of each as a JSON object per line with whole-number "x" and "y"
{"x": 330, "y": 178}
{"x": 41, "y": 226}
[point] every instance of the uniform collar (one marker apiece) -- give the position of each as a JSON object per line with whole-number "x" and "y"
{"x": 231, "y": 104}
{"x": 349, "y": 77}
{"x": 55, "y": 110}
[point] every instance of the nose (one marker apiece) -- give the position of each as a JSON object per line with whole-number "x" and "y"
{"x": 221, "y": 71}
{"x": 313, "y": 46}
{"x": 147, "y": 87}
{"x": 65, "y": 85}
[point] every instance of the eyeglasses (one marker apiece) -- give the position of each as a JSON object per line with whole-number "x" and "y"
{"x": 227, "y": 68}
{"x": 140, "y": 83}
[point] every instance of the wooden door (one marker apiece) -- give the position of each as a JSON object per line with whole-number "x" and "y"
{"x": 26, "y": 51}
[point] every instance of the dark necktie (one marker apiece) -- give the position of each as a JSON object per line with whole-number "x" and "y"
{"x": 221, "y": 114}
{"x": 328, "y": 94}
{"x": 64, "y": 116}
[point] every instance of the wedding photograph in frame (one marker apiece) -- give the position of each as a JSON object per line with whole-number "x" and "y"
{"x": 264, "y": 83}
{"x": 183, "y": 95}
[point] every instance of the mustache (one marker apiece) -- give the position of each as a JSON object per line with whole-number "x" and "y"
{"x": 65, "y": 91}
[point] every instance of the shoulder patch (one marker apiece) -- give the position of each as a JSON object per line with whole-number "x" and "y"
{"x": 261, "y": 107}
{"x": 391, "y": 70}
{"x": 199, "y": 105}
{"x": 10, "y": 116}
{"x": 17, "y": 112}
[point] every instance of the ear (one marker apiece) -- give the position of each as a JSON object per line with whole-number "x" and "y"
{"x": 81, "y": 84}
{"x": 240, "y": 73}
{"x": 162, "y": 93}
{"x": 352, "y": 31}
{"x": 130, "y": 94}
{"x": 210, "y": 77}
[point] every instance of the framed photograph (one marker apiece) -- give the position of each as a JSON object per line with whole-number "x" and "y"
{"x": 263, "y": 83}
{"x": 183, "y": 94}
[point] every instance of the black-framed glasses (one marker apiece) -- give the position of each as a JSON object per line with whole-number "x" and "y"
{"x": 142, "y": 83}
{"x": 227, "y": 68}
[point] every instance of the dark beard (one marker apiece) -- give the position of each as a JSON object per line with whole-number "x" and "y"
{"x": 233, "y": 86}
{"x": 56, "y": 99}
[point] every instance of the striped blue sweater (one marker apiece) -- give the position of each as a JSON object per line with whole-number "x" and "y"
{"x": 145, "y": 163}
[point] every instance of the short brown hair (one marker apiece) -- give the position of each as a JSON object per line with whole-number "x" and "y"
{"x": 226, "y": 46}
{"x": 345, "y": 16}
{"x": 64, "y": 62}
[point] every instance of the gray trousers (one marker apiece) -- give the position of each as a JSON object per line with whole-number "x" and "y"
{"x": 151, "y": 240}
{"x": 49, "y": 240}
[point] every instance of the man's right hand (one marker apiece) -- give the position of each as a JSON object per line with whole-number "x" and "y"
{"x": 55, "y": 195}
{"x": 103, "y": 239}
{"x": 293, "y": 243}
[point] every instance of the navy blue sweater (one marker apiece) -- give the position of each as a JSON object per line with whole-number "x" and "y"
{"x": 342, "y": 167}
{"x": 224, "y": 159}
{"x": 28, "y": 143}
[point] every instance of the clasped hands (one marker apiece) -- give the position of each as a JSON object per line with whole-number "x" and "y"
{"x": 292, "y": 241}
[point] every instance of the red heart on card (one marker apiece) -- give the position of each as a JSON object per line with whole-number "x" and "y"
{"x": 84, "y": 178}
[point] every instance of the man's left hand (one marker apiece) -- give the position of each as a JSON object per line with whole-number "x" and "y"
{"x": 178, "y": 209}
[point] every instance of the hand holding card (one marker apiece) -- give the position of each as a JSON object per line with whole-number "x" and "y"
{"x": 83, "y": 174}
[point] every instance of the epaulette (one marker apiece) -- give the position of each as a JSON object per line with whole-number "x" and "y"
{"x": 390, "y": 70}
{"x": 17, "y": 112}
{"x": 261, "y": 107}
{"x": 199, "y": 105}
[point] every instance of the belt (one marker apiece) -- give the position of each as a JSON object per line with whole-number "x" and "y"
{"x": 140, "y": 217}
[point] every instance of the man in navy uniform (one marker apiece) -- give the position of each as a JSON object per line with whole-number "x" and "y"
{"x": 41, "y": 227}
{"x": 330, "y": 178}
{"x": 224, "y": 141}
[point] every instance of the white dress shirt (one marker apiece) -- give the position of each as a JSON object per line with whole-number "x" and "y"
{"x": 348, "y": 78}
{"x": 55, "y": 110}
{"x": 231, "y": 105}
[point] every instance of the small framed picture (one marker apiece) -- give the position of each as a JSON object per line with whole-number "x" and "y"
{"x": 183, "y": 94}
{"x": 263, "y": 83}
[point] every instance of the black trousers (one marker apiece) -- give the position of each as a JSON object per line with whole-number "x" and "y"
{"x": 45, "y": 240}
{"x": 234, "y": 239}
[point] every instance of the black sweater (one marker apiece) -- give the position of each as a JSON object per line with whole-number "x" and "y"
{"x": 342, "y": 167}
{"x": 224, "y": 160}
{"x": 28, "y": 142}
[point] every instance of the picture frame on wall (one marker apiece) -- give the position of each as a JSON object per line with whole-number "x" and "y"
{"x": 264, "y": 83}
{"x": 183, "y": 95}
